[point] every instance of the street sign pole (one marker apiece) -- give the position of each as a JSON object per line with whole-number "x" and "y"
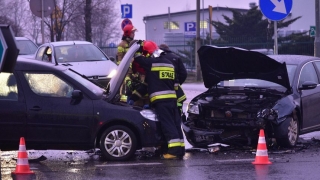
{"x": 275, "y": 51}
{"x": 42, "y": 23}
{"x": 317, "y": 30}
{"x": 275, "y": 10}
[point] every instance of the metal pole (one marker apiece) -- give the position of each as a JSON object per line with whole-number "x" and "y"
{"x": 275, "y": 38}
{"x": 197, "y": 44}
{"x": 42, "y": 22}
{"x": 317, "y": 36}
{"x": 169, "y": 19}
{"x": 203, "y": 23}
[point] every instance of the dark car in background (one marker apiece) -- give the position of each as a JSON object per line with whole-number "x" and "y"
{"x": 54, "y": 107}
{"x": 82, "y": 56}
{"x": 249, "y": 91}
{"x": 26, "y": 46}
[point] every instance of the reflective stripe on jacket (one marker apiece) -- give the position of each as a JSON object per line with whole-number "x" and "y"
{"x": 160, "y": 77}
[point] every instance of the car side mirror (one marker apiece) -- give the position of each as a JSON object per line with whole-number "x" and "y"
{"x": 76, "y": 97}
{"x": 76, "y": 94}
{"x": 308, "y": 85}
{"x": 112, "y": 59}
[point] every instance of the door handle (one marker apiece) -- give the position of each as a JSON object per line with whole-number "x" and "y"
{"x": 36, "y": 108}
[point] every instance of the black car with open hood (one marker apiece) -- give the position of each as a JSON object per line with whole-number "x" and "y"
{"x": 56, "y": 107}
{"x": 249, "y": 91}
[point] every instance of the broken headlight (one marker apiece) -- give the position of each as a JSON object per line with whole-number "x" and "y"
{"x": 269, "y": 114}
{"x": 193, "y": 108}
{"x": 149, "y": 114}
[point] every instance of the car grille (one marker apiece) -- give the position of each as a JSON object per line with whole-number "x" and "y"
{"x": 222, "y": 114}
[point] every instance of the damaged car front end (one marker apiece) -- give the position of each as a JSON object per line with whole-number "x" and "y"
{"x": 247, "y": 91}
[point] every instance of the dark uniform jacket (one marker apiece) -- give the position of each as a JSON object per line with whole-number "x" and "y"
{"x": 160, "y": 77}
{"x": 180, "y": 72}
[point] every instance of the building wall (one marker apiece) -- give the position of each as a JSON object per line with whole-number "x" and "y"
{"x": 155, "y": 30}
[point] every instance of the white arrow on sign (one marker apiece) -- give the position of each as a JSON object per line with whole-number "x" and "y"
{"x": 280, "y": 6}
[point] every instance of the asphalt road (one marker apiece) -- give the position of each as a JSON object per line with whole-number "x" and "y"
{"x": 224, "y": 163}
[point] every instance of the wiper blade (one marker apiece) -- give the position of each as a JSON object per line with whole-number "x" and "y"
{"x": 85, "y": 77}
{"x": 94, "y": 60}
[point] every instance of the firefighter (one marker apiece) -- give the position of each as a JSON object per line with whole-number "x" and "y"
{"x": 160, "y": 77}
{"x": 181, "y": 74}
{"x": 128, "y": 35}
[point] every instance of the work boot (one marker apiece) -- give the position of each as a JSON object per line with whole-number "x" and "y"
{"x": 169, "y": 157}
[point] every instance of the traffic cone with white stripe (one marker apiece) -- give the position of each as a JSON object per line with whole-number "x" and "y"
{"x": 262, "y": 152}
{"x": 22, "y": 166}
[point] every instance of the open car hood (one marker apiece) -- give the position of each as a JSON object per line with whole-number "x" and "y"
{"x": 227, "y": 63}
{"x": 117, "y": 80}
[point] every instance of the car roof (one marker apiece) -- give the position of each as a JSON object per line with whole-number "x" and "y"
{"x": 63, "y": 43}
{"x": 32, "y": 64}
{"x": 21, "y": 38}
{"x": 293, "y": 59}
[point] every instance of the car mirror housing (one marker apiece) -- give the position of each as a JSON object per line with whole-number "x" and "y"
{"x": 76, "y": 94}
{"x": 308, "y": 85}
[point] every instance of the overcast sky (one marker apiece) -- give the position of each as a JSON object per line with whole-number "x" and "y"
{"x": 143, "y": 8}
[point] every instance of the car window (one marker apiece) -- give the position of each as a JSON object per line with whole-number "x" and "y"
{"x": 8, "y": 87}
{"x": 291, "y": 69}
{"x": 26, "y": 47}
{"x": 40, "y": 53}
{"x": 79, "y": 53}
{"x": 48, "y": 85}
{"x": 308, "y": 73}
{"x": 317, "y": 63}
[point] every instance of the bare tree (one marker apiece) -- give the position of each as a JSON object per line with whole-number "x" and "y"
{"x": 17, "y": 12}
{"x": 87, "y": 20}
{"x": 104, "y": 23}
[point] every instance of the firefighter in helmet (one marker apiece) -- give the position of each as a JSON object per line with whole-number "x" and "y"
{"x": 160, "y": 77}
{"x": 128, "y": 35}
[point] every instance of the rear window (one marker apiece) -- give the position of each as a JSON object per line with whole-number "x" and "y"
{"x": 26, "y": 47}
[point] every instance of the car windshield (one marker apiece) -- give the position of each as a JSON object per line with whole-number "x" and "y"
{"x": 78, "y": 53}
{"x": 26, "y": 47}
{"x": 86, "y": 83}
{"x": 257, "y": 82}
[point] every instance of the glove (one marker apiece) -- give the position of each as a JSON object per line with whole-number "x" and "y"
{"x": 130, "y": 102}
{"x": 140, "y": 50}
{"x": 140, "y": 42}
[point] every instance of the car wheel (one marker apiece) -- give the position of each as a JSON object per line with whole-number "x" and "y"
{"x": 291, "y": 131}
{"x": 118, "y": 143}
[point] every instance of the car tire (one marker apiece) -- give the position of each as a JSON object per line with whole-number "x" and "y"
{"x": 290, "y": 128}
{"x": 118, "y": 143}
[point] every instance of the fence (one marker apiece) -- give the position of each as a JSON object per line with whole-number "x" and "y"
{"x": 187, "y": 53}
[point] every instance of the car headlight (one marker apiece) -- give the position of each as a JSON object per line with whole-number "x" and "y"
{"x": 112, "y": 73}
{"x": 149, "y": 114}
{"x": 193, "y": 108}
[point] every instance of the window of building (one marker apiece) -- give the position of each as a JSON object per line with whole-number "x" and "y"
{"x": 203, "y": 24}
{"x": 48, "y": 85}
{"x": 173, "y": 25}
{"x": 8, "y": 87}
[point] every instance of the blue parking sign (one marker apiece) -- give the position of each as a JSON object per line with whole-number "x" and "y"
{"x": 275, "y": 10}
{"x": 190, "y": 29}
{"x": 126, "y": 10}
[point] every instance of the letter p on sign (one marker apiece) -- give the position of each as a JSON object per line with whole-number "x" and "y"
{"x": 126, "y": 10}
{"x": 190, "y": 26}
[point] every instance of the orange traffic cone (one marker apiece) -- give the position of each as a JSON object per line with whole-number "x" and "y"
{"x": 22, "y": 166}
{"x": 262, "y": 152}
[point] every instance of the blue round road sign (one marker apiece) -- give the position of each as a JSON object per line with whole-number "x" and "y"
{"x": 125, "y": 22}
{"x": 275, "y": 10}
